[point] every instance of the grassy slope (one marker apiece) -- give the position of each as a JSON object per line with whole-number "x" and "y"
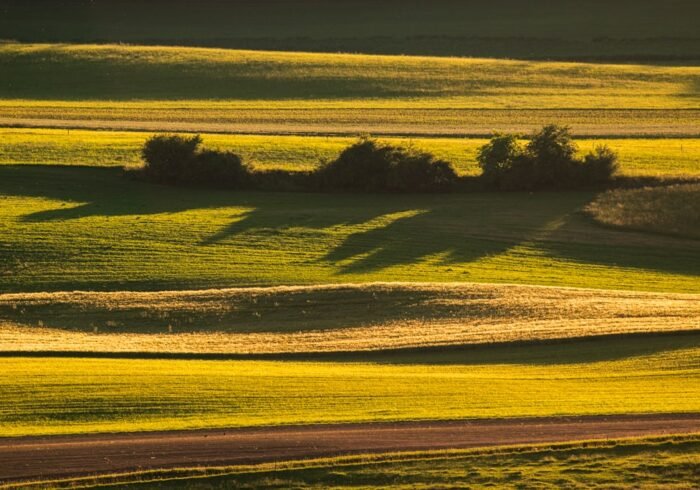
{"x": 673, "y": 210}
{"x": 639, "y": 157}
{"x": 65, "y": 228}
{"x": 246, "y": 91}
{"x": 647, "y": 463}
{"x": 509, "y": 28}
{"x": 615, "y": 376}
{"x": 330, "y": 318}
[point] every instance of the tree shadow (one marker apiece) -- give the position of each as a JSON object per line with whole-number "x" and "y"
{"x": 358, "y": 234}
{"x": 580, "y": 239}
{"x": 602, "y": 348}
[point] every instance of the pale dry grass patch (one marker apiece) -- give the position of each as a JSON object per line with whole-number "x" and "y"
{"x": 330, "y": 318}
{"x": 673, "y": 210}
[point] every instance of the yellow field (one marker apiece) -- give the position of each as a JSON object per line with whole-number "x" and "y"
{"x": 639, "y": 157}
{"x": 70, "y": 395}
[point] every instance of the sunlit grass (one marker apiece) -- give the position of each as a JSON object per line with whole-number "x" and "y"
{"x": 666, "y": 157}
{"x": 71, "y": 395}
{"x": 64, "y": 228}
{"x": 112, "y": 72}
{"x": 217, "y": 90}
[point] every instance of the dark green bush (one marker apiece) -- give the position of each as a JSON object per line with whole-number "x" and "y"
{"x": 548, "y": 161}
{"x": 420, "y": 172}
{"x": 600, "y": 165}
{"x": 498, "y": 154}
{"x": 167, "y": 156}
{"x": 284, "y": 180}
{"x": 173, "y": 159}
{"x": 369, "y": 166}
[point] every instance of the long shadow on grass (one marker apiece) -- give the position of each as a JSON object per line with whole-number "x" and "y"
{"x": 365, "y": 233}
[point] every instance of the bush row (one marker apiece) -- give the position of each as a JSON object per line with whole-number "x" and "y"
{"x": 366, "y": 166}
{"x": 548, "y": 161}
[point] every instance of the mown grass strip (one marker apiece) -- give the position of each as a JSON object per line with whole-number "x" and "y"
{"x": 74, "y": 228}
{"x": 64, "y": 395}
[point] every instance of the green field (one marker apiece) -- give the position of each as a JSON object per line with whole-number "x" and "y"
{"x": 66, "y": 228}
{"x": 216, "y": 90}
{"x": 639, "y": 157}
{"x": 79, "y": 395}
{"x": 624, "y": 29}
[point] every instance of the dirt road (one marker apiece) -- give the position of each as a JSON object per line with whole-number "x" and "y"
{"x": 61, "y": 456}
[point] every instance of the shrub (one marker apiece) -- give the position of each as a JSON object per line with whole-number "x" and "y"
{"x": 363, "y": 166}
{"x": 497, "y": 155}
{"x": 217, "y": 168}
{"x": 600, "y": 165}
{"x": 420, "y": 172}
{"x": 284, "y": 180}
{"x": 548, "y": 161}
{"x": 369, "y": 166}
{"x": 173, "y": 159}
{"x": 553, "y": 154}
{"x": 167, "y": 156}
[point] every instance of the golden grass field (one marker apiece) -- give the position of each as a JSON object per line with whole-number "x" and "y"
{"x": 333, "y": 318}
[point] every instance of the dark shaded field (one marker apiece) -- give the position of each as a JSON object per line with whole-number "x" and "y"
{"x": 590, "y": 29}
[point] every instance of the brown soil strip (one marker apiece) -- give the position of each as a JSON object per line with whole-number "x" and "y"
{"x": 64, "y": 456}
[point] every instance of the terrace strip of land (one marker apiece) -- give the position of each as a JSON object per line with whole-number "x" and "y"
{"x": 50, "y": 458}
{"x": 330, "y": 318}
{"x": 156, "y": 88}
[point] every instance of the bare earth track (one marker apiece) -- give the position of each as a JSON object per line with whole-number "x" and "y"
{"x": 33, "y": 458}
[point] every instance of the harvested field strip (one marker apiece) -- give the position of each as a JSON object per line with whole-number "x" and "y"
{"x": 72, "y": 395}
{"x": 155, "y": 453}
{"x": 351, "y": 122}
{"x": 331, "y": 318}
{"x": 664, "y": 462}
{"x": 639, "y": 157}
{"x": 78, "y": 228}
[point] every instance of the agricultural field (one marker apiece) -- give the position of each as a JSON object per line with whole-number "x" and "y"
{"x": 350, "y": 321}
{"x": 68, "y": 228}
{"x": 667, "y": 157}
{"x": 215, "y": 90}
{"x": 615, "y": 464}
{"x": 644, "y": 375}
{"x": 325, "y": 337}
{"x": 569, "y": 29}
